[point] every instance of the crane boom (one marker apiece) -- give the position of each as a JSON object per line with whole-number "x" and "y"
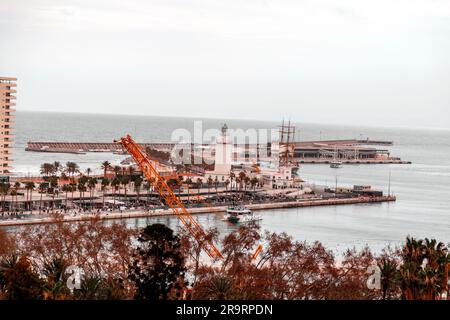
{"x": 166, "y": 192}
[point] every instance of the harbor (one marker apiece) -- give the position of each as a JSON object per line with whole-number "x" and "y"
{"x": 151, "y": 181}
{"x": 411, "y": 184}
{"x": 349, "y": 151}
{"x": 232, "y": 153}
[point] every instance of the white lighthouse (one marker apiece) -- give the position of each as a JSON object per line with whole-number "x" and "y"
{"x": 223, "y": 157}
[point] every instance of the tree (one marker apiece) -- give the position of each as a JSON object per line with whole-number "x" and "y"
{"x": 55, "y": 279}
{"x": 88, "y": 172}
{"x": 389, "y": 277}
{"x": 189, "y": 183}
{"x": 423, "y": 269}
{"x": 131, "y": 172}
{"x": 66, "y": 188}
{"x": 124, "y": 181}
{"x": 216, "y": 183}
{"x": 92, "y": 182}
{"x": 106, "y": 165}
{"x": 73, "y": 188}
{"x": 199, "y": 183}
{"x": 17, "y": 279}
{"x": 227, "y": 183}
{"x": 115, "y": 184}
{"x": 7, "y": 243}
{"x": 219, "y": 287}
{"x": 57, "y": 166}
{"x": 105, "y": 184}
{"x": 241, "y": 177}
{"x": 137, "y": 187}
{"x": 29, "y": 186}
{"x": 209, "y": 181}
{"x": 117, "y": 170}
{"x": 54, "y": 189}
{"x": 15, "y": 192}
{"x": 254, "y": 181}
{"x": 82, "y": 188}
{"x": 47, "y": 169}
{"x": 4, "y": 189}
{"x": 43, "y": 187}
{"x": 246, "y": 181}
{"x": 157, "y": 269}
{"x": 72, "y": 168}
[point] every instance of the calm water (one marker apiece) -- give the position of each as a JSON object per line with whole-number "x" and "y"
{"x": 423, "y": 188}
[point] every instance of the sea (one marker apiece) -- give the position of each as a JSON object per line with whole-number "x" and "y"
{"x": 422, "y": 188}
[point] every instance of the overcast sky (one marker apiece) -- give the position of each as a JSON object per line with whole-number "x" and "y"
{"x": 377, "y": 62}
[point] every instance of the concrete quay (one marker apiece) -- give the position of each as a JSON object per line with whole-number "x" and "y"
{"x": 222, "y": 209}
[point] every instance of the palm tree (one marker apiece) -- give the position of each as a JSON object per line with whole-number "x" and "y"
{"x": 43, "y": 186}
{"x": 72, "y": 168}
{"x": 54, "y": 188}
{"x": 13, "y": 193}
{"x": 246, "y": 181}
{"x": 55, "y": 279}
{"x": 64, "y": 176}
{"x": 423, "y": 268}
{"x": 73, "y": 188}
{"x": 199, "y": 183}
{"x": 4, "y": 192}
{"x": 137, "y": 187}
{"x": 92, "y": 182}
{"x": 227, "y": 182}
{"x": 29, "y": 186}
{"x": 242, "y": 177}
{"x": 47, "y": 169}
{"x": 219, "y": 288}
{"x": 188, "y": 182}
{"x": 209, "y": 181}
{"x": 66, "y": 188}
{"x": 106, "y": 165}
{"x": 115, "y": 184}
{"x": 16, "y": 193}
{"x": 125, "y": 180}
{"x": 117, "y": 170}
{"x": 82, "y": 188}
{"x": 57, "y": 167}
{"x": 216, "y": 183}
{"x": 105, "y": 184}
{"x": 254, "y": 181}
{"x": 388, "y": 270}
{"x": 238, "y": 182}
{"x": 131, "y": 172}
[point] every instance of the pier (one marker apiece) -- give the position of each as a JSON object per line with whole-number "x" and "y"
{"x": 350, "y": 151}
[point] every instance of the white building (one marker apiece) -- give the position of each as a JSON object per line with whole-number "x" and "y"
{"x": 224, "y": 151}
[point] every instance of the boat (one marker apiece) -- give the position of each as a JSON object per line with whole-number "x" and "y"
{"x": 336, "y": 164}
{"x": 238, "y": 214}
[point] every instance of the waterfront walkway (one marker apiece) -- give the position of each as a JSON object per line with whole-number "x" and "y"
{"x": 166, "y": 212}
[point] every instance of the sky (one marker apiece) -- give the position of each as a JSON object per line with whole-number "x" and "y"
{"x": 365, "y": 62}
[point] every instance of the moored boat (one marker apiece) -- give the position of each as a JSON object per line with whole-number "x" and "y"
{"x": 240, "y": 214}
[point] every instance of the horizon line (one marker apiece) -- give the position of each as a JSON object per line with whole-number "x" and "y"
{"x": 402, "y": 127}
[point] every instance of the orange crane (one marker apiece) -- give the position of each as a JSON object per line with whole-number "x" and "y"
{"x": 161, "y": 186}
